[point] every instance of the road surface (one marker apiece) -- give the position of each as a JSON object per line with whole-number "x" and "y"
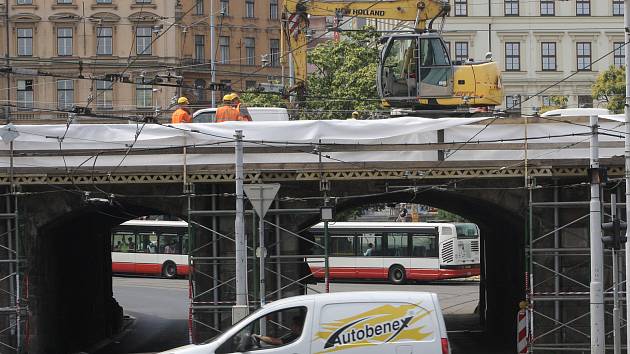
{"x": 160, "y": 308}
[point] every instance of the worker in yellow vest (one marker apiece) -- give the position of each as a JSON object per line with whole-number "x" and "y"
{"x": 232, "y": 110}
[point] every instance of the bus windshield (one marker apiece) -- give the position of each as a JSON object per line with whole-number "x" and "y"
{"x": 465, "y": 231}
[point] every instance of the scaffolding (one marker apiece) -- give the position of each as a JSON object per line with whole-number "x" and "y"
{"x": 13, "y": 283}
{"x": 557, "y": 278}
{"x": 212, "y": 263}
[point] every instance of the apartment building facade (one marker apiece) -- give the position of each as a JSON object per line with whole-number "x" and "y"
{"x": 246, "y": 51}
{"x": 538, "y": 45}
{"x": 101, "y": 54}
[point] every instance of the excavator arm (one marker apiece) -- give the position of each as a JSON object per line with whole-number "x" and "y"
{"x": 296, "y": 12}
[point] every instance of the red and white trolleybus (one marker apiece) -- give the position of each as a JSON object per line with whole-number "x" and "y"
{"x": 398, "y": 251}
{"x": 151, "y": 247}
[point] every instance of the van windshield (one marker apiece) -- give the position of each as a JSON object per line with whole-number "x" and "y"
{"x": 205, "y": 117}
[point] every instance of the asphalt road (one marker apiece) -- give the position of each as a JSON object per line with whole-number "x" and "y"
{"x": 160, "y": 308}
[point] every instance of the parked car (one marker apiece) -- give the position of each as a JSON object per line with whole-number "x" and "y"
{"x": 379, "y": 322}
{"x": 258, "y": 114}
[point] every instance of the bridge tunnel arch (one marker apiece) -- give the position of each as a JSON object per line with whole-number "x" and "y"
{"x": 72, "y": 306}
{"x": 503, "y": 248}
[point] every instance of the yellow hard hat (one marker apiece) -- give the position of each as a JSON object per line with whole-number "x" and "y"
{"x": 182, "y": 100}
{"x": 355, "y": 114}
{"x": 230, "y": 97}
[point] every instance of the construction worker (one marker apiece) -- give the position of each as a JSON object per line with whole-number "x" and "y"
{"x": 232, "y": 110}
{"x": 182, "y": 113}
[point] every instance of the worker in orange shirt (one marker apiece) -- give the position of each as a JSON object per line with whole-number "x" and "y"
{"x": 182, "y": 113}
{"x": 232, "y": 110}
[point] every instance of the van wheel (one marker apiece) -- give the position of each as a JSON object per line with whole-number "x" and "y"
{"x": 169, "y": 270}
{"x": 397, "y": 275}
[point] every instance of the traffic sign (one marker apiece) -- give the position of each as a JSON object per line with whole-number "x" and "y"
{"x": 261, "y": 196}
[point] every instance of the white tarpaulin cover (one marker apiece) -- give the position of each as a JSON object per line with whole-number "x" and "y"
{"x": 62, "y": 146}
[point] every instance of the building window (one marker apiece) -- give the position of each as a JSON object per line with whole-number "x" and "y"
{"x": 617, "y": 9}
{"x": 512, "y": 56}
{"x": 24, "y": 2}
{"x": 25, "y": 41}
{"x": 620, "y": 54}
{"x": 225, "y": 7}
{"x": 143, "y": 1}
{"x": 582, "y": 7}
{"x": 24, "y": 94}
{"x": 199, "y": 7}
{"x": 250, "y": 84}
{"x": 104, "y": 94}
{"x": 513, "y": 103}
{"x": 103, "y": 1}
{"x": 65, "y": 94}
{"x": 583, "y": 50}
{"x": 273, "y": 9}
{"x": 200, "y": 49}
{"x": 249, "y": 8}
{"x": 511, "y": 7}
{"x": 143, "y": 40}
{"x": 585, "y": 101}
{"x": 224, "y": 46}
{"x": 547, "y": 8}
{"x": 545, "y": 101}
{"x": 548, "y": 56}
{"x": 461, "y": 51}
{"x": 274, "y": 50}
{"x": 144, "y": 95}
{"x": 64, "y": 41}
{"x": 200, "y": 90}
{"x": 104, "y": 43}
{"x": 250, "y": 51}
{"x": 64, "y": 1}
{"x": 461, "y": 7}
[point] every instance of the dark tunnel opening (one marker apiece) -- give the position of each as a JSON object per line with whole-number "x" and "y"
{"x": 72, "y": 280}
{"x": 503, "y": 248}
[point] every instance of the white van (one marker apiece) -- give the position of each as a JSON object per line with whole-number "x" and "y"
{"x": 379, "y": 322}
{"x": 258, "y": 114}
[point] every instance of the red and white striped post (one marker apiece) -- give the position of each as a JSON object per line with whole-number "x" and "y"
{"x": 522, "y": 337}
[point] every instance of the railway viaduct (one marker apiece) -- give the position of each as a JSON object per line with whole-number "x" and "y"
{"x": 66, "y": 187}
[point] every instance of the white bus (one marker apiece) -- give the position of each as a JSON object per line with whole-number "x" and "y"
{"x": 398, "y": 251}
{"x": 151, "y": 247}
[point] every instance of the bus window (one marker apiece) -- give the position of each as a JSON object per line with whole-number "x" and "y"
{"x": 123, "y": 241}
{"x": 467, "y": 231}
{"x": 341, "y": 245}
{"x": 397, "y": 245}
{"x": 169, "y": 243}
{"x": 369, "y": 238}
{"x": 424, "y": 246}
{"x": 147, "y": 242}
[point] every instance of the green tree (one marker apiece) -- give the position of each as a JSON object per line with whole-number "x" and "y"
{"x": 345, "y": 77}
{"x": 610, "y": 87}
{"x": 344, "y": 80}
{"x": 253, "y": 98}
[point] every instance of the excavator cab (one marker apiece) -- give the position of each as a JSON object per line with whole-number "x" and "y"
{"x": 414, "y": 66}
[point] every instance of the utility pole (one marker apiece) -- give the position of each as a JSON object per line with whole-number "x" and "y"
{"x": 626, "y": 26}
{"x": 212, "y": 53}
{"x": 241, "y": 309}
{"x": 598, "y": 339}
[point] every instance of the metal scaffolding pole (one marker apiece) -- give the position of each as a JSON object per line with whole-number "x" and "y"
{"x": 598, "y": 333}
{"x": 626, "y": 25}
{"x": 241, "y": 309}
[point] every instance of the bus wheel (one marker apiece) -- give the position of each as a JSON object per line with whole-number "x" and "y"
{"x": 169, "y": 270}
{"x": 397, "y": 275}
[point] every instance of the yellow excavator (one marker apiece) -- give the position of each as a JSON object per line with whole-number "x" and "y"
{"x": 415, "y": 70}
